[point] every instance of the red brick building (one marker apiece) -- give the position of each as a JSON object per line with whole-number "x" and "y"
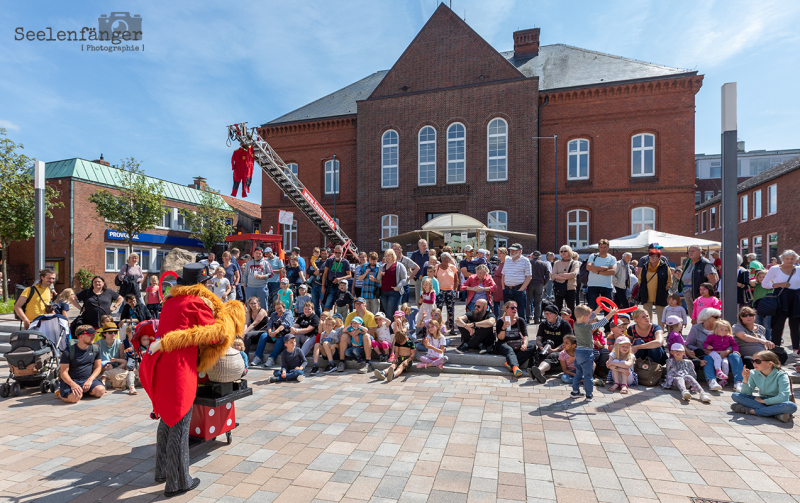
{"x": 451, "y": 127}
{"x": 767, "y": 212}
{"x": 76, "y": 238}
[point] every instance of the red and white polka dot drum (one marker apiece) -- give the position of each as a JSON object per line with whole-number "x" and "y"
{"x": 209, "y": 422}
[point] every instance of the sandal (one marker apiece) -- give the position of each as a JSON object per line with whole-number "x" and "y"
{"x": 132, "y": 391}
{"x": 613, "y": 387}
{"x": 624, "y": 389}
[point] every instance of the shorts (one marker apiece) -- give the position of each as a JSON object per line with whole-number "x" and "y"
{"x": 66, "y": 390}
{"x": 400, "y": 359}
{"x": 380, "y": 344}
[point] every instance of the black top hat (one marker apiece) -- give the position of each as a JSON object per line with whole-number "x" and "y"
{"x": 194, "y": 273}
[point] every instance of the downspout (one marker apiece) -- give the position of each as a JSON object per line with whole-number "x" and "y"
{"x": 539, "y": 173}
{"x": 71, "y": 232}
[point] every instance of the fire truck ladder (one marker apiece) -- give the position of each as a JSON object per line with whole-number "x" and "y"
{"x": 286, "y": 180}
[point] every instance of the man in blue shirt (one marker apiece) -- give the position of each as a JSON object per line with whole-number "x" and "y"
{"x": 273, "y": 283}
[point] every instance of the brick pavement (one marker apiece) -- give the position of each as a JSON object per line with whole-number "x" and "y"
{"x": 449, "y": 438}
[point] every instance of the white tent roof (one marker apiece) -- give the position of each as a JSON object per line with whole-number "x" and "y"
{"x": 668, "y": 242}
{"x": 452, "y": 221}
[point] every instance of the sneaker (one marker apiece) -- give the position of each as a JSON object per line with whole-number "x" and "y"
{"x": 314, "y": 370}
{"x": 723, "y": 383}
{"x": 737, "y": 387}
{"x": 506, "y": 365}
{"x": 340, "y": 366}
{"x": 364, "y": 368}
{"x": 273, "y": 379}
{"x": 686, "y": 395}
{"x": 379, "y": 374}
{"x": 598, "y": 382}
{"x": 741, "y": 409}
{"x": 256, "y": 361}
{"x": 482, "y": 350}
{"x": 589, "y": 399}
{"x": 330, "y": 368}
{"x": 300, "y": 378}
{"x": 575, "y": 394}
{"x": 705, "y": 397}
{"x": 721, "y": 376}
{"x": 421, "y": 365}
{"x": 517, "y": 372}
{"x": 269, "y": 363}
{"x": 391, "y": 358}
{"x": 786, "y": 418}
{"x": 536, "y": 373}
{"x": 382, "y": 358}
{"x": 464, "y": 347}
{"x": 389, "y": 374}
{"x": 713, "y": 385}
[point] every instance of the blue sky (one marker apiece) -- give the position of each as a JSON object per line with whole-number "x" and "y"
{"x": 206, "y": 64}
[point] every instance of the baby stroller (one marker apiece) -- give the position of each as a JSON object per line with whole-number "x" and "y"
{"x": 33, "y": 361}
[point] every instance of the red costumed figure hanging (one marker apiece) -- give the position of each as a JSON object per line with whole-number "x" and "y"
{"x": 242, "y": 165}
{"x": 195, "y": 329}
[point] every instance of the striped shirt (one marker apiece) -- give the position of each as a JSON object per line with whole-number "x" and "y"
{"x": 368, "y": 287}
{"x": 515, "y": 271}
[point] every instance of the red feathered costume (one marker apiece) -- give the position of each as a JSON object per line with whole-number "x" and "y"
{"x": 242, "y": 165}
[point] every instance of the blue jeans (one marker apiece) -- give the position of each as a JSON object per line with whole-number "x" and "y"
{"x": 496, "y": 307}
{"x": 258, "y": 291}
{"x": 593, "y": 292}
{"x": 404, "y": 297}
{"x": 316, "y": 293}
{"x": 735, "y": 362}
{"x": 390, "y": 300}
{"x": 291, "y": 375}
{"x": 330, "y": 297}
{"x": 761, "y": 409}
{"x": 658, "y": 355}
{"x": 521, "y": 298}
{"x": 584, "y": 368}
{"x": 273, "y": 292}
{"x": 262, "y": 342}
{"x": 766, "y": 323}
{"x": 356, "y": 352}
{"x": 566, "y": 378}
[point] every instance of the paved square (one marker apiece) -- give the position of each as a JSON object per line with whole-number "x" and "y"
{"x": 423, "y": 437}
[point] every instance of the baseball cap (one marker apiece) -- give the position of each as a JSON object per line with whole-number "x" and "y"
{"x": 258, "y": 248}
{"x": 566, "y": 310}
{"x": 399, "y": 313}
{"x": 622, "y": 340}
{"x": 303, "y": 286}
{"x": 380, "y": 314}
{"x": 468, "y": 248}
{"x": 288, "y": 336}
{"x": 550, "y": 308}
{"x": 285, "y": 280}
{"x": 267, "y": 250}
{"x": 515, "y": 246}
{"x": 89, "y": 330}
{"x": 673, "y": 320}
{"x": 536, "y": 254}
{"x": 654, "y": 246}
{"x": 358, "y": 319}
{"x": 337, "y": 315}
{"x": 484, "y": 251}
{"x": 622, "y": 319}
{"x": 676, "y": 347}
{"x": 756, "y": 265}
{"x": 361, "y": 300}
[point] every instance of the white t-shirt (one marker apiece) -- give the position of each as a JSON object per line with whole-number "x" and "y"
{"x": 219, "y": 286}
{"x": 598, "y": 279}
{"x": 383, "y": 333}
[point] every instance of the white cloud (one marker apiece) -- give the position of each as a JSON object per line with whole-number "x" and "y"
{"x": 8, "y": 125}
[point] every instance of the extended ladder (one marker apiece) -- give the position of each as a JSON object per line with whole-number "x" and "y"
{"x": 286, "y": 180}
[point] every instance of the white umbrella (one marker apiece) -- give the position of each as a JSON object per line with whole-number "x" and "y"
{"x": 668, "y": 242}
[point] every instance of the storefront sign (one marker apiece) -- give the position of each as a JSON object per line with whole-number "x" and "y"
{"x": 154, "y": 238}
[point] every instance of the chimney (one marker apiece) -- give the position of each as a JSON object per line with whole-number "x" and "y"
{"x": 199, "y": 183}
{"x": 740, "y": 146}
{"x": 526, "y": 43}
{"x": 102, "y": 161}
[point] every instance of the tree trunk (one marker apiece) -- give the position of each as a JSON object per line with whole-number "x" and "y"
{"x": 5, "y": 271}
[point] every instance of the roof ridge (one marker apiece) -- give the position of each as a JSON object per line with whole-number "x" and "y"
{"x": 619, "y": 57}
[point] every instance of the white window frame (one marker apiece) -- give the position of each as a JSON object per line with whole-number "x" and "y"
{"x": 643, "y": 149}
{"x": 772, "y": 199}
{"x": 703, "y": 222}
{"x": 712, "y": 166}
{"x": 744, "y": 246}
{"x": 696, "y": 224}
{"x": 332, "y": 176}
{"x": 498, "y": 220}
{"x": 169, "y": 215}
{"x": 708, "y": 195}
{"x": 156, "y": 253}
{"x": 496, "y": 157}
{"x": 756, "y": 204}
{"x": 289, "y": 233}
{"x": 463, "y": 160}
{"x": 117, "y": 257}
{"x": 150, "y": 253}
{"x": 643, "y": 221}
{"x": 577, "y": 154}
{"x": 760, "y": 247}
{"x": 743, "y": 202}
{"x": 698, "y": 197}
{"x": 180, "y": 221}
{"x": 389, "y": 228}
{"x": 712, "y": 218}
{"x": 426, "y": 165}
{"x": 577, "y": 224}
{"x": 387, "y": 168}
{"x": 770, "y": 242}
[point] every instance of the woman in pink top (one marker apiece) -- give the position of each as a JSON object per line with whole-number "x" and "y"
{"x": 705, "y": 300}
{"x": 447, "y": 276}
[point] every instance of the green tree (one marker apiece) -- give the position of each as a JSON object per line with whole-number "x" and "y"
{"x": 17, "y": 210}
{"x": 138, "y": 206}
{"x": 209, "y": 223}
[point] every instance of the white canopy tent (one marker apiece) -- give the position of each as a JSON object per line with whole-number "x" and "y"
{"x": 670, "y": 243}
{"x": 451, "y": 228}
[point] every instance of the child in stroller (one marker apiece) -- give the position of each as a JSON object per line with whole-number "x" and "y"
{"x": 33, "y": 362}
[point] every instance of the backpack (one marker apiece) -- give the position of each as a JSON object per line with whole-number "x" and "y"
{"x": 18, "y": 291}
{"x": 74, "y": 342}
{"x": 583, "y": 274}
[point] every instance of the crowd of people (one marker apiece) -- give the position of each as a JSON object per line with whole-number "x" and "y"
{"x": 328, "y": 307}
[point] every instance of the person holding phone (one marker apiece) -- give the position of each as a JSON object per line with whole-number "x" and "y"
{"x": 512, "y": 339}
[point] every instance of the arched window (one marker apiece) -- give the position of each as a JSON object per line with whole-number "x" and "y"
{"x": 643, "y": 154}
{"x": 332, "y": 177}
{"x": 578, "y": 160}
{"x": 497, "y": 148}
{"x": 498, "y": 220}
{"x": 456, "y": 153}
{"x": 389, "y": 172}
{"x": 642, "y": 219}
{"x": 289, "y": 235}
{"x": 578, "y": 228}
{"x": 388, "y": 229}
{"x": 426, "y": 168}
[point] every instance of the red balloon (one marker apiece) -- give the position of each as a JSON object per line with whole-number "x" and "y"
{"x": 608, "y": 304}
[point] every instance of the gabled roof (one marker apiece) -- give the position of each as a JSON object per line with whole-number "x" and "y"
{"x": 763, "y": 177}
{"x": 100, "y": 174}
{"x": 252, "y": 210}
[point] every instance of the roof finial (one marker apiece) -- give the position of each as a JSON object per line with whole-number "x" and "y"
{"x": 101, "y": 157}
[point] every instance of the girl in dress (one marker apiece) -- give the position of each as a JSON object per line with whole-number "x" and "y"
{"x": 427, "y": 299}
{"x": 680, "y": 371}
{"x": 435, "y": 342}
{"x": 620, "y": 366}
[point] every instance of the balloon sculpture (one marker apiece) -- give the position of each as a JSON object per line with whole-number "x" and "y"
{"x": 608, "y": 304}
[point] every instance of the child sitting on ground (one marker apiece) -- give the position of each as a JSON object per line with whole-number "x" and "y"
{"x": 674, "y": 327}
{"x": 674, "y": 308}
{"x": 705, "y": 300}
{"x": 293, "y": 361}
{"x": 566, "y": 315}
{"x": 620, "y": 366}
{"x": 566, "y": 358}
{"x": 403, "y": 352}
{"x": 680, "y": 371}
{"x": 238, "y": 345}
{"x": 436, "y": 344}
{"x": 329, "y": 338}
{"x": 382, "y": 342}
{"x": 721, "y": 340}
{"x": 598, "y": 339}
{"x": 285, "y": 294}
{"x": 356, "y": 340}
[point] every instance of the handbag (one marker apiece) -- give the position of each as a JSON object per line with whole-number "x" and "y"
{"x": 515, "y": 344}
{"x": 770, "y": 304}
{"x": 648, "y": 371}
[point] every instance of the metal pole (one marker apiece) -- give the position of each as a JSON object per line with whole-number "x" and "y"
{"x": 730, "y": 204}
{"x": 555, "y": 138}
{"x": 336, "y": 191}
{"x": 38, "y": 185}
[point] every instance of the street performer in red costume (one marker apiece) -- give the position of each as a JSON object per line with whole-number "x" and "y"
{"x": 195, "y": 329}
{"x": 242, "y": 166}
